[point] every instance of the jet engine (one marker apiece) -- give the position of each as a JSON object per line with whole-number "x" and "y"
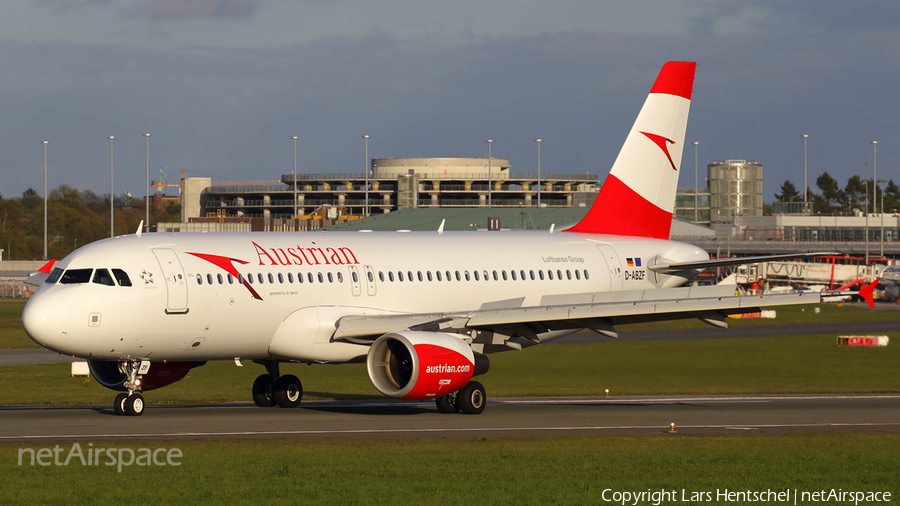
{"x": 107, "y": 373}
{"x": 422, "y": 365}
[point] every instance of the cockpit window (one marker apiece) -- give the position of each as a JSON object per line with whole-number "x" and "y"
{"x": 54, "y": 276}
{"x": 102, "y": 277}
{"x": 121, "y": 278}
{"x": 76, "y": 276}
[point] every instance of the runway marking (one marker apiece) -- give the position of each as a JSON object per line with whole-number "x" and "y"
{"x": 445, "y": 430}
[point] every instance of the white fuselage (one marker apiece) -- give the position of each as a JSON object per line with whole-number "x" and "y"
{"x": 183, "y": 304}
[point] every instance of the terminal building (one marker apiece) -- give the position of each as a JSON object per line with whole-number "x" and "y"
{"x": 393, "y": 184}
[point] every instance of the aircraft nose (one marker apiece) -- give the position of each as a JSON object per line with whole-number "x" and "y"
{"x": 46, "y": 319}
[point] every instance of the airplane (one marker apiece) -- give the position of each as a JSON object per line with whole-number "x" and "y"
{"x": 423, "y": 310}
{"x": 890, "y": 277}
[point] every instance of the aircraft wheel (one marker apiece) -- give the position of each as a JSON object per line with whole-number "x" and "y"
{"x": 134, "y": 404}
{"x": 472, "y": 398}
{"x": 288, "y": 391}
{"x": 262, "y": 391}
{"x": 448, "y": 403}
{"x": 119, "y": 404}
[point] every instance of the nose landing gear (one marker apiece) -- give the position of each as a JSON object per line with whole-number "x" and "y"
{"x": 132, "y": 403}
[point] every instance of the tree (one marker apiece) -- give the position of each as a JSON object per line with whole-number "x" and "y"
{"x": 832, "y": 196}
{"x": 854, "y": 193}
{"x": 788, "y": 193}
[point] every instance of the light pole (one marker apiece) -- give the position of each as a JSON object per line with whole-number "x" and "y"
{"x": 147, "y": 203}
{"x": 112, "y": 196}
{"x": 366, "y": 167}
{"x": 45, "y": 198}
{"x": 875, "y": 184}
{"x": 538, "y": 141}
{"x": 805, "y": 193}
{"x": 294, "y": 177}
{"x": 696, "y": 219}
{"x": 489, "y": 141}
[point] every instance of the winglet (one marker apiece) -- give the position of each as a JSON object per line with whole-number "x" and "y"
{"x": 441, "y": 228}
{"x": 47, "y": 267}
{"x": 140, "y": 227}
{"x": 867, "y": 293}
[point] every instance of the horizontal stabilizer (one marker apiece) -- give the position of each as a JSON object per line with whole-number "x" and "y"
{"x": 724, "y": 262}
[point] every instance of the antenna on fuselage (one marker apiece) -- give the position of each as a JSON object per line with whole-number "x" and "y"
{"x": 441, "y": 228}
{"x": 140, "y": 227}
{"x": 552, "y": 226}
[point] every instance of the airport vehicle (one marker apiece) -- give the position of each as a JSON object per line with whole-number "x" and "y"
{"x": 421, "y": 309}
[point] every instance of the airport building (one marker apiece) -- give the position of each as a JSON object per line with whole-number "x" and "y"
{"x": 393, "y": 184}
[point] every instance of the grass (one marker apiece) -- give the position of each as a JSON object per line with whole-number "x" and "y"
{"x": 12, "y": 335}
{"x": 564, "y": 470}
{"x": 764, "y": 365}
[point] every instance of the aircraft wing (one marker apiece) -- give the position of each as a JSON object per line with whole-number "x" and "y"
{"x": 685, "y": 267}
{"x": 599, "y": 312}
{"x": 38, "y": 277}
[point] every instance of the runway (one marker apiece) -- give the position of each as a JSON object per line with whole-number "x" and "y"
{"x": 393, "y": 420}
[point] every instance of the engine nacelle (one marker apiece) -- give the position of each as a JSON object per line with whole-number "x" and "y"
{"x": 107, "y": 373}
{"x": 422, "y": 365}
{"x": 892, "y": 293}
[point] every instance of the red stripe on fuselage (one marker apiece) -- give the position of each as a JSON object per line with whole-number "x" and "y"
{"x": 676, "y": 78}
{"x": 619, "y": 210}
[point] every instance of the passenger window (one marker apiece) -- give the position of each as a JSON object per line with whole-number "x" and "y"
{"x": 485, "y": 275}
{"x": 321, "y": 278}
{"x": 409, "y": 275}
{"x": 550, "y": 275}
{"x": 420, "y": 275}
{"x": 476, "y": 276}
{"x": 250, "y": 278}
{"x": 121, "y": 278}
{"x": 260, "y": 278}
{"x": 513, "y": 274}
{"x": 448, "y": 275}
{"x": 438, "y": 274}
{"x": 568, "y": 274}
{"x": 496, "y": 278}
{"x": 76, "y": 276}
{"x": 240, "y": 279}
{"x": 467, "y": 275}
{"x": 330, "y": 278}
{"x": 532, "y": 275}
{"x": 340, "y": 277}
{"x": 371, "y": 277}
{"x": 218, "y": 277}
{"x": 102, "y": 277}
{"x": 577, "y": 274}
{"x": 457, "y": 276}
{"x": 209, "y": 278}
{"x": 280, "y": 278}
{"x": 230, "y": 279}
{"x": 355, "y": 277}
{"x": 400, "y": 275}
{"x": 54, "y": 276}
{"x": 540, "y": 275}
{"x": 391, "y": 276}
{"x": 290, "y": 278}
{"x": 309, "y": 277}
{"x": 522, "y": 274}
{"x": 199, "y": 279}
{"x": 559, "y": 274}
{"x": 586, "y": 274}
{"x": 300, "y": 277}
{"x": 381, "y": 276}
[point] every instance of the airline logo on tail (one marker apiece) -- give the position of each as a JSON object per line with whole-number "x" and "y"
{"x": 661, "y": 142}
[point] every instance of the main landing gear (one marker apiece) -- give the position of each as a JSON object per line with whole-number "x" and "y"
{"x": 272, "y": 389}
{"x": 469, "y": 399}
{"x": 131, "y": 403}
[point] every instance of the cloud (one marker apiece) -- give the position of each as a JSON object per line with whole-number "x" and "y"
{"x": 168, "y": 10}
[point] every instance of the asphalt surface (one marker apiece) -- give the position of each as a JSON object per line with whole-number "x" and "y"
{"x": 392, "y": 420}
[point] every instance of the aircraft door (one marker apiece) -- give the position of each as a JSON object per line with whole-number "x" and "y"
{"x": 355, "y": 282}
{"x": 613, "y": 265}
{"x": 370, "y": 279}
{"x": 176, "y": 284}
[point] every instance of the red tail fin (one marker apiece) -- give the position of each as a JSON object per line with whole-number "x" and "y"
{"x": 638, "y": 196}
{"x": 868, "y": 293}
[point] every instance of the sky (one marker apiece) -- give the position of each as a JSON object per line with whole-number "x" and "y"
{"x": 223, "y": 85}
